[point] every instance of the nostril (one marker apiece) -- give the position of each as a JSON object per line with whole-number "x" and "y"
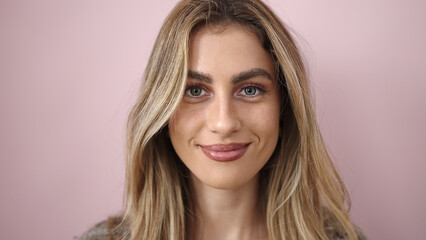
{"x": 223, "y": 120}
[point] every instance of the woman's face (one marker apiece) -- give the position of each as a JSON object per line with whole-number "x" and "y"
{"x": 226, "y": 127}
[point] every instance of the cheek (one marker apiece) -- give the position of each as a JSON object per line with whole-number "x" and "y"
{"x": 263, "y": 119}
{"x": 185, "y": 124}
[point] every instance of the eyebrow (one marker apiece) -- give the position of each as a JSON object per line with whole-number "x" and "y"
{"x": 252, "y": 73}
{"x": 240, "y": 77}
{"x": 199, "y": 76}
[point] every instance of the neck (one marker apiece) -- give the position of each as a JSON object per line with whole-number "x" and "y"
{"x": 228, "y": 213}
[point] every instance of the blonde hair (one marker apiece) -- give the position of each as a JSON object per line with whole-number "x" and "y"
{"x": 303, "y": 196}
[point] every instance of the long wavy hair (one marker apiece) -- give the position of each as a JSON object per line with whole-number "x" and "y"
{"x": 302, "y": 195}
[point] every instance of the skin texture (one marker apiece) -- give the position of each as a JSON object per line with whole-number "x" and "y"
{"x": 231, "y": 97}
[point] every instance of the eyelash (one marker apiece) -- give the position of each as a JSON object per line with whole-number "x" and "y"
{"x": 258, "y": 87}
{"x": 191, "y": 86}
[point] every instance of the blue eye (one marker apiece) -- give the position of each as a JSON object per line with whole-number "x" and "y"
{"x": 251, "y": 91}
{"x": 195, "y": 91}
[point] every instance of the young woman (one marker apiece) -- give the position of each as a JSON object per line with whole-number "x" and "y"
{"x": 223, "y": 141}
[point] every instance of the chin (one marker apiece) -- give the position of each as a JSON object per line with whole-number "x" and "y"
{"x": 223, "y": 181}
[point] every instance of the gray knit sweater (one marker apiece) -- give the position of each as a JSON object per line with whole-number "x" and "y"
{"x": 107, "y": 230}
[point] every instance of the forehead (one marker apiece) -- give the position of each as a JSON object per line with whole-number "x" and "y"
{"x": 225, "y": 31}
{"x": 231, "y": 48}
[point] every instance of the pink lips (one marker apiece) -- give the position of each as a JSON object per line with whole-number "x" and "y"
{"x": 225, "y": 152}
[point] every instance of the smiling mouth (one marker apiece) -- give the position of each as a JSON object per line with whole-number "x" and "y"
{"x": 225, "y": 152}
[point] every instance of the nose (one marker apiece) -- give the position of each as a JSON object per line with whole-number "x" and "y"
{"x": 223, "y": 119}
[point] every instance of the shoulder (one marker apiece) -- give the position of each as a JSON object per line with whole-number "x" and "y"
{"x": 334, "y": 231}
{"x": 359, "y": 234}
{"x": 106, "y": 230}
{"x": 98, "y": 232}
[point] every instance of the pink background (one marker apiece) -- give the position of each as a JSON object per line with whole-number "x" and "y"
{"x": 69, "y": 71}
